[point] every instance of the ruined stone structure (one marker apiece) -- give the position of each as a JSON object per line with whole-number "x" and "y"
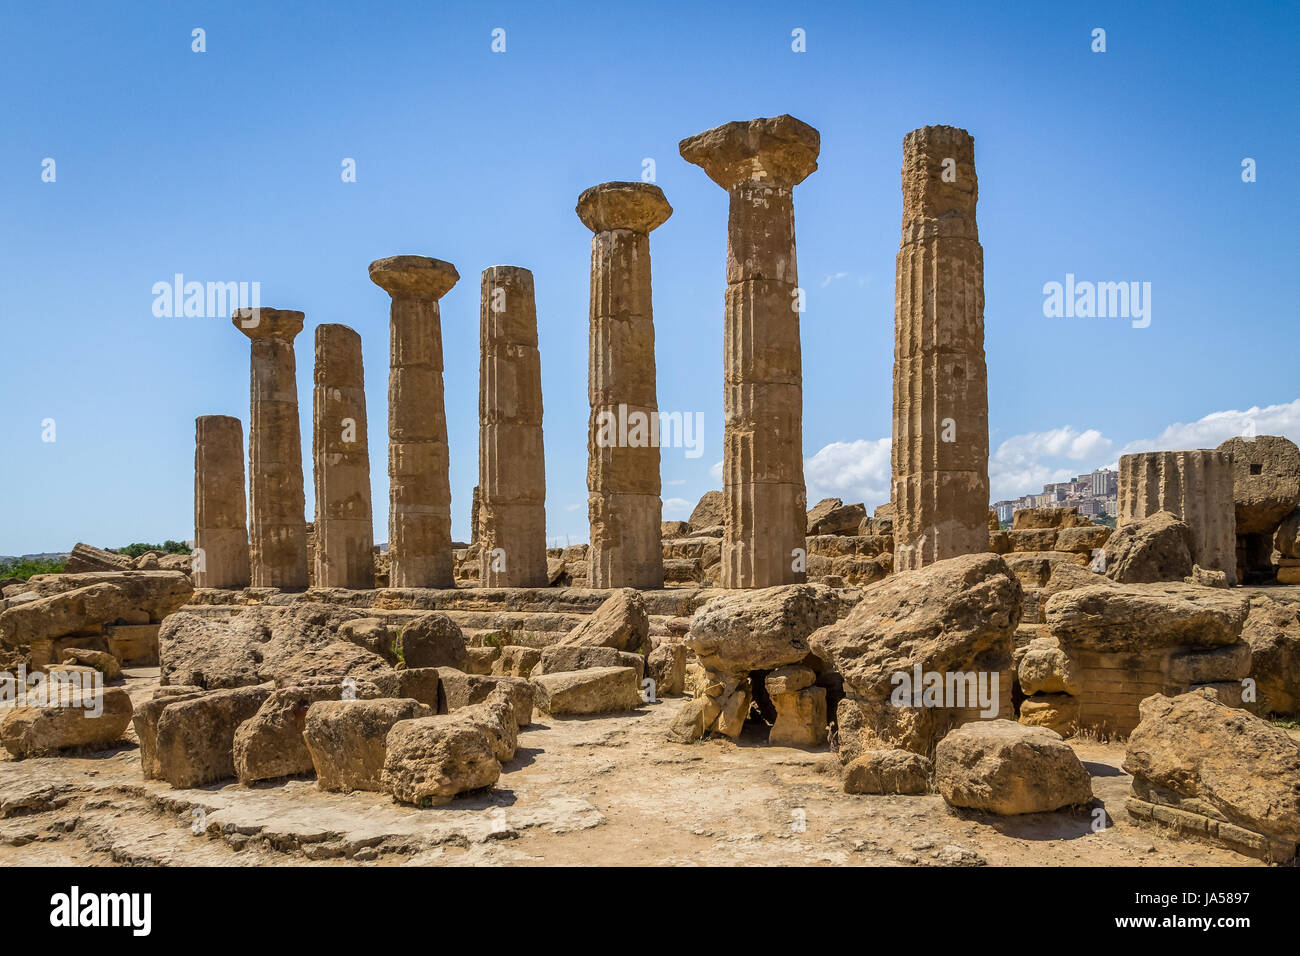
{"x": 759, "y": 163}
{"x": 1266, "y": 491}
{"x": 510, "y": 504}
{"x": 623, "y": 504}
{"x": 278, "y": 539}
{"x": 344, "y": 529}
{"x": 1195, "y": 486}
{"x": 419, "y": 519}
{"x": 220, "y": 516}
{"x": 940, "y": 445}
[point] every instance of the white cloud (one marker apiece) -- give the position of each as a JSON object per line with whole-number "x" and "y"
{"x": 676, "y": 481}
{"x": 832, "y": 277}
{"x": 1022, "y": 464}
{"x": 677, "y": 509}
{"x": 1217, "y": 427}
{"x": 716, "y": 472}
{"x": 854, "y": 471}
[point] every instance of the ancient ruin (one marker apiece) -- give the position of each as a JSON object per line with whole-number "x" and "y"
{"x": 419, "y": 518}
{"x": 220, "y": 515}
{"x": 1195, "y": 486}
{"x": 941, "y": 428}
{"x": 902, "y": 682}
{"x": 510, "y": 514}
{"x": 276, "y": 503}
{"x": 344, "y": 530}
{"x": 623, "y": 503}
{"x": 759, "y": 163}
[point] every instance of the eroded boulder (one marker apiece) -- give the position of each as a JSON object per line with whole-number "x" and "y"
{"x": 1002, "y": 767}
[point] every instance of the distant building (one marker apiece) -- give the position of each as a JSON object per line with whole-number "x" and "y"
{"x": 1093, "y": 494}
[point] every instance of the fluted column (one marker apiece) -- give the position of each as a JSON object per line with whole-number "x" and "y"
{"x": 220, "y": 516}
{"x": 759, "y": 163}
{"x": 941, "y": 435}
{"x": 278, "y": 539}
{"x": 419, "y": 515}
{"x": 1195, "y": 486}
{"x": 345, "y": 535}
{"x": 511, "y": 513}
{"x": 623, "y": 504}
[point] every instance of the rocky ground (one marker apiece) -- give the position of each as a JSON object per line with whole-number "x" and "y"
{"x": 605, "y": 790}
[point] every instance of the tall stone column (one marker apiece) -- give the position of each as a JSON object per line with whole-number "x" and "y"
{"x": 220, "y": 518}
{"x": 941, "y": 431}
{"x": 419, "y": 513}
{"x": 623, "y": 504}
{"x": 278, "y": 542}
{"x": 1194, "y": 486}
{"x": 759, "y": 163}
{"x": 345, "y": 534}
{"x": 511, "y": 518}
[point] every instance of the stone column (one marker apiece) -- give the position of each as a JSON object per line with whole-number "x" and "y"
{"x": 419, "y": 516}
{"x": 345, "y": 535}
{"x": 220, "y": 518}
{"x": 941, "y": 434}
{"x": 759, "y": 163}
{"x": 1195, "y": 486}
{"x": 623, "y": 504}
{"x": 278, "y": 542}
{"x": 511, "y": 518}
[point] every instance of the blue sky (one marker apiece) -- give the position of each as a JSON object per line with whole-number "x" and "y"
{"x": 225, "y": 166}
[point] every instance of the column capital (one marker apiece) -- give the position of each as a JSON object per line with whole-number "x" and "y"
{"x": 778, "y": 150}
{"x": 268, "y": 323}
{"x": 418, "y": 276}
{"x": 636, "y": 206}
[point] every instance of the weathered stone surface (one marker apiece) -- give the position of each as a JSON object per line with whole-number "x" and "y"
{"x": 372, "y": 634}
{"x": 270, "y": 744}
{"x": 1002, "y": 767}
{"x": 432, "y": 640}
{"x": 1038, "y": 518}
{"x": 788, "y": 679}
{"x": 1287, "y": 538}
{"x": 419, "y": 518}
{"x": 79, "y": 721}
{"x": 708, "y": 513}
{"x": 145, "y": 723}
{"x": 621, "y": 622}
{"x": 102, "y": 661}
{"x": 1194, "y": 487}
{"x": 1144, "y": 616}
{"x": 800, "y": 718}
{"x": 1058, "y": 712}
{"x": 220, "y": 510}
{"x": 331, "y": 664}
{"x": 85, "y": 558}
{"x": 458, "y": 690}
{"x": 1084, "y": 539}
{"x": 277, "y": 517}
{"x": 195, "y": 739}
{"x": 887, "y": 771}
{"x": 821, "y": 510}
{"x": 345, "y": 534}
{"x": 1246, "y": 769}
{"x": 842, "y": 520}
{"x": 516, "y": 661}
{"x": 623, "y": 505}
{"x": 597, "y": 690}
{"x": 430, "y": 760}
{"x": 1273, "y": 631}
{"x": 347, "y": 739}
{"x": 940, "y": 436}
{"x": 564, "y": 657}
{"x": 510, "y": 525}
{"x": 1265, "y": 481}
{"x": 666, "y": 666}
{"x": 1206, "y": 579}
{"x": 738, "y": 633}
{"x": 759, "y": 163}
{"x": 128, "y": 597}
{"x": 1158, "y": 547}
{"x": 1046, "y": 669}
{"x": 247, "y": 648}
{"x": 957, "y": 615}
